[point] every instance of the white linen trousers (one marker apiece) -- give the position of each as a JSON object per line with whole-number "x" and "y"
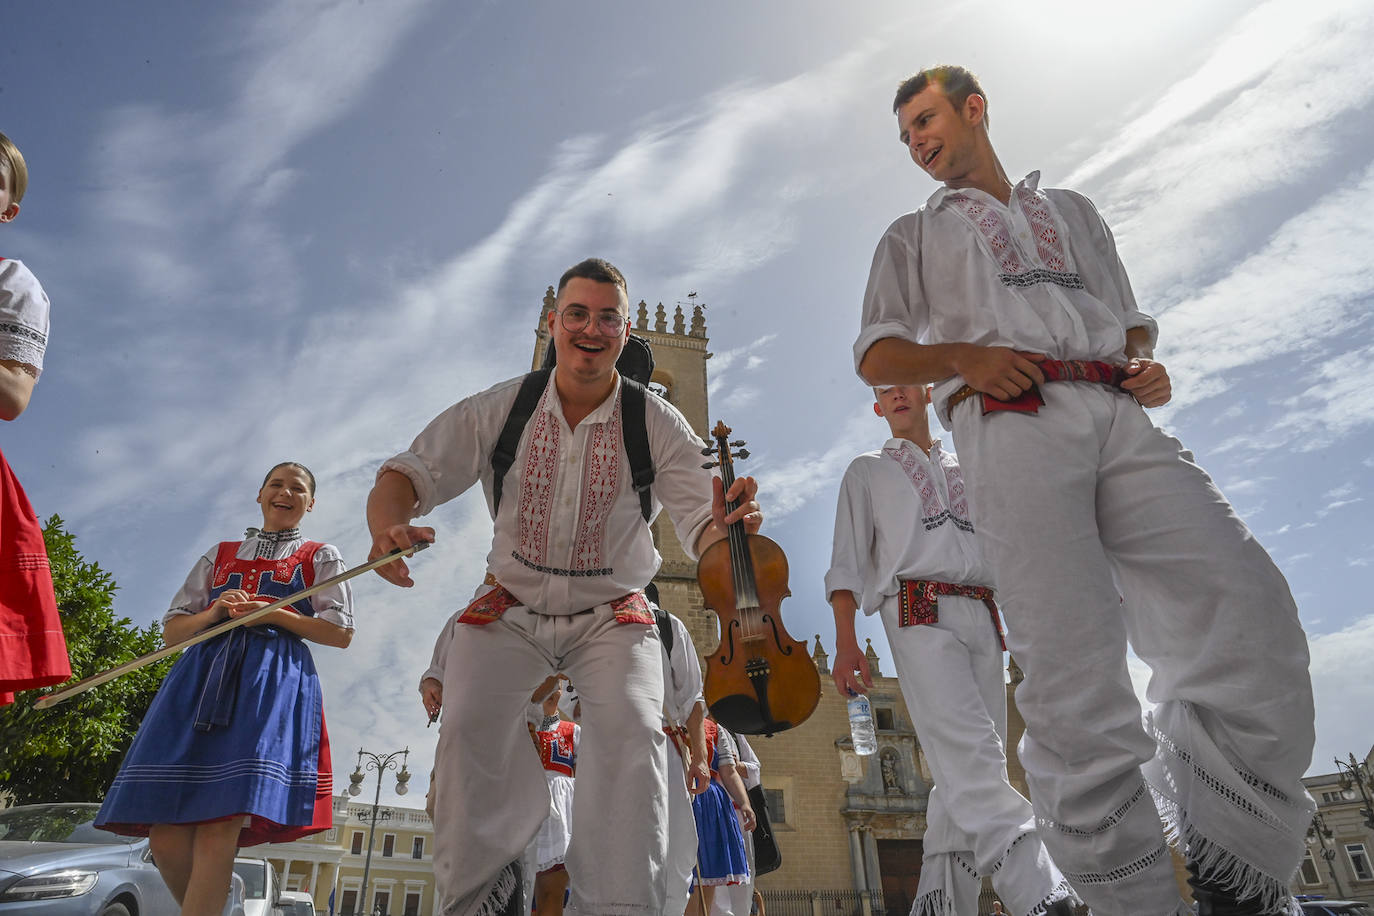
{"x": 1068, "y": 504}
{"x": 491, "y": 795}
{"x": 950, "y": 673}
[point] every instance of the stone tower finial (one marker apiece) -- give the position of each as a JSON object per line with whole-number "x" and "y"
{"x": 821, "y": 659}
{"x": 660, "y": 319}
{"x": 698, "y": 322}
{"x": 872, "y": 659}
{"x": 679, "y": 326}
{"x": 549, "y": 300}
{"x": 642, "y": 322}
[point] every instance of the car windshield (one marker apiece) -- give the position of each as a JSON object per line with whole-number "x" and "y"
{"x": 55, "y": 824}
{"x": 254, "y": 875}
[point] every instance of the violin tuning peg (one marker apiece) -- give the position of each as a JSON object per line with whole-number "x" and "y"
{"x": 710, "y": 464}
{"x": 742, "y": 454}
{"x": 737, "y": 444}
{"x": 709, "y": 450}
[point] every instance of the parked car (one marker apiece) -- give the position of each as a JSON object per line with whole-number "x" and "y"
{"x": 53, "y": 862}
{"x": 260, "y": 885}
{"x": 1322, "y": 907}
{"x": 295, "y": 903}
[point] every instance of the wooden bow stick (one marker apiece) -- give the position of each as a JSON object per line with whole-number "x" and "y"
{"x": 95, "y": 680}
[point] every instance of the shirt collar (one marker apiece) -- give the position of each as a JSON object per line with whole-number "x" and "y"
{"x": 896, "y": 445}
{"x": 601, "y": 414}
{"x": 1030, "y": 182}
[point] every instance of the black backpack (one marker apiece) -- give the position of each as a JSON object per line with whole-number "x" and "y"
{"x": 636, "y": 367}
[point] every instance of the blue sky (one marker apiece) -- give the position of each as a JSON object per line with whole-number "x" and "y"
{"x": 299, "y": 230}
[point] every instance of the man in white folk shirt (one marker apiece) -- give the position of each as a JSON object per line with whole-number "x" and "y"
{"x": 571, "y": 554}
{"x": 904, "y": 549}
{"x": 1100, "y": 530}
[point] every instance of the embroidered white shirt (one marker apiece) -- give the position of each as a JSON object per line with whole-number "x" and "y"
{"x": 569, "y": 534}
{"x": 333, "y": 604}
{"x": 1041, "y": 274}
{"x": 902, "y": 515}
{"x": 23, "y": 316}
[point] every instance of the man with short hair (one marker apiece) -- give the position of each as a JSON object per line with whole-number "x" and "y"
{"x": 571, "y": 554}
{"x": 904, "y": 549}
{"x": 1099, "y": 529}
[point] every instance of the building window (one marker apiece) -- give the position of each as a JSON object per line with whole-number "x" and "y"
{"x": 1309, "y": 870}
{"x": 661, "y": 390}
{"x": 777, "y": 810}
{"x": 388, "y": 845}
{"x": 412, "y": 903}
{"x": 381, "y": 903}
{"x": 357, "y": 847}
{"x": 349, "y": 904}
{"x": 1359, "y": 861}
{"x": 882, "y": 717}
{"x": 1332, "y": 798}
{"x": 417, "y": 848}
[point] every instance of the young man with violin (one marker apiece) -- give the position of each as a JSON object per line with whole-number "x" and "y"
{"x": 570, "y": 557}
{"x": 1100, "y": 530}
{"x": 904, "y": 549}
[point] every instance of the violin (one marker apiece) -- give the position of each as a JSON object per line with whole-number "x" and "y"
{"x": 759, "y": 680}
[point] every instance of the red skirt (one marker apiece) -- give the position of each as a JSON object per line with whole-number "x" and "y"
{"x": 33, "y": 651}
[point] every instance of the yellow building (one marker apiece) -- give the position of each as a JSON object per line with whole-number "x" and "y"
{"x": 401, "y": 872}
{"x": 1340, "y": 843}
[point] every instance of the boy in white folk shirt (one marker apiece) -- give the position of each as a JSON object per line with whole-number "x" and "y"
{"x": 904, "y": 549}
{"x": 1100, "y": 530}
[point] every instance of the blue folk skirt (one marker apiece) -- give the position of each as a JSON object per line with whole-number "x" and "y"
{"x": 236, "y": 730}
{"x": 720, "y": 845}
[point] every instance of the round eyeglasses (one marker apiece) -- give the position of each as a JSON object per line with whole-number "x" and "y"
{"x": 575, "y": 318}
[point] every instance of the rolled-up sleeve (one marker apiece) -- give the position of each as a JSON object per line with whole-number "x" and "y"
{"x": 681, "y": 484}
{"x": 1120, "y": 295}
{"x": 451, "y": 453}
{"x": 893, "y": 303}
{"x": 852, "y": 541}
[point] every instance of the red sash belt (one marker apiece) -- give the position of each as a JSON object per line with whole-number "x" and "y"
{"x": 631, "y": 608}
{"x": 1055, "y": 370}
{"x": 919, "y": 599}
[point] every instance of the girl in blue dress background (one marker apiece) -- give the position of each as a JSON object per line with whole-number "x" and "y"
{"x": 721, "y": 857}
{"x": 233, "y": 750}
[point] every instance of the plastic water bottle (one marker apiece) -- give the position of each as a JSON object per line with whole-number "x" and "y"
{"x": 861, "y": 725}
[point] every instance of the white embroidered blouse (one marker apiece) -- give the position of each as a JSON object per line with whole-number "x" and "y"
{"x": 23, "y": 316}
{"x": 569, "y": 534}
{"x": 1041, "y": 274}
{"x": 902, "y": 515}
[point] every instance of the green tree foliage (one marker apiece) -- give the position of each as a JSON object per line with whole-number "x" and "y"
{"x": 72, "y": 751}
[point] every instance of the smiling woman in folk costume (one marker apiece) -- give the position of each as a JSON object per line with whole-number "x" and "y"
{"x": 233, "y": 751}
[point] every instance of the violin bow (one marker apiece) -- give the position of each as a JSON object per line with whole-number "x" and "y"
{"x": 95, "y": 680}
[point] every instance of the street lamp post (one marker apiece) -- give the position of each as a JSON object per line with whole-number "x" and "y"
{"x": 1321, "y": 833}
{"x": 1355, "y": 777}
{"x": 381, "y": 763}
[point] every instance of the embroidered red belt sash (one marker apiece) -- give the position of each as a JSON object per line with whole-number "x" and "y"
{"x": 1055, "y": 370}
{"x": 631, "y": 608}
{"x": 919, "y": 599}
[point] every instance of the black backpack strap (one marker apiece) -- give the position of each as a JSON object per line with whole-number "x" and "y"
{"x": 503, "y": 456}
{"x": 665, "y": 630}
{"x": 633, "y": 397}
